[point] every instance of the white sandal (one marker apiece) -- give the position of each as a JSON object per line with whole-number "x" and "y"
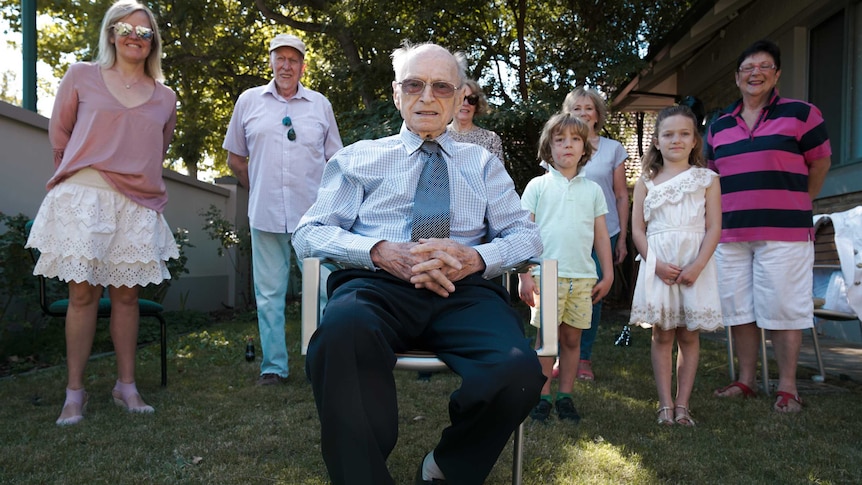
{"x": 664, "y": 416}
{"x": 684, "y": 418}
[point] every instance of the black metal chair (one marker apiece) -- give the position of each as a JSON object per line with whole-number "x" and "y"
{"x": 422, "y": 361}
{"x": 146, "y": 308}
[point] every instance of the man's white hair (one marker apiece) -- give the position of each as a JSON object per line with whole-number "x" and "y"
{"x": 407, "y": 50}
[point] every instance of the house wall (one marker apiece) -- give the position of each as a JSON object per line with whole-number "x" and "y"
{"x": 709, "y": 74}
{"x": 26, "y": 161}
{"x": 707, "y": 69}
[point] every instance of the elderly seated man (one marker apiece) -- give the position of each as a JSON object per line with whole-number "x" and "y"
{"x": 422, "y": 223}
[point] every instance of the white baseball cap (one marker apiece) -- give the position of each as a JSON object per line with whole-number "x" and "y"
{"x": 287, "y": 40}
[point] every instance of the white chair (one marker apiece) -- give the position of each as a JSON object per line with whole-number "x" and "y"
{"x": 422, "y": 361}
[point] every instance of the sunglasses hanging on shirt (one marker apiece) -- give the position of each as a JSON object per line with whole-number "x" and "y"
{"x": 291, "y": 134}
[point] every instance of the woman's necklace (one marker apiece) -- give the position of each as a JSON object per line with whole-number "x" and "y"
{"x": 127, "y": 84}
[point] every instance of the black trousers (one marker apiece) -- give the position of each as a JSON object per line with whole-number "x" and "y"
{"x": 371, "y": 316}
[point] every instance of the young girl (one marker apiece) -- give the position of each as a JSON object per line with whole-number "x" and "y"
{"x": 676, "y": 224}
{"x": 570, "y": 212}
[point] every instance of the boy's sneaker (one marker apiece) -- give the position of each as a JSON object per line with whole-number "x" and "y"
{"x": 566, "y": 409}
{"x": 542, "y": 411}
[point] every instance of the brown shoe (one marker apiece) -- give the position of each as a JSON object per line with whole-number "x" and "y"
{"x": 270, "y": 380}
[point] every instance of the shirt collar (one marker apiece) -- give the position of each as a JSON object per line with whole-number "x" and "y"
{"x": 272, "y": 89}
{"x": 412, "y": 141}
{"x": 736, "y": 108}
{"x": 556, "y": 174}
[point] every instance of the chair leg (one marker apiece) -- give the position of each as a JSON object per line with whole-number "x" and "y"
{"x": 164, "y": 347}
{"x": 764, "y": 358}
{"x": 518, "y": 455}
{"x": 730, "y": 365}
{"x": 817, "y": 353}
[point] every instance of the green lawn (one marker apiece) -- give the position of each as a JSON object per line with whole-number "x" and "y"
{"x": 212, "y": 426}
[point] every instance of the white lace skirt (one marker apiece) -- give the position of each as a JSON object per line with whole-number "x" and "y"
{"x": 86, "y": 231}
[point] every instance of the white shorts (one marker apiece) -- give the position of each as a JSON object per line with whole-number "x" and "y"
{"x": 767, "y": 282}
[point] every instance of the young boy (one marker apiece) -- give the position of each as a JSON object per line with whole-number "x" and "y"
{"x": 570, "y": 212}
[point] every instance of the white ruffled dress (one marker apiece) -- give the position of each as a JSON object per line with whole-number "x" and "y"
{"x": 86, "y": 231}
{"x": 675, "y": 213}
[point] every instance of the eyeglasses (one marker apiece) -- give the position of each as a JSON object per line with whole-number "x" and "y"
{"x": 291, "y": 134}
{"x": 124, "y": 30}
{"x": 472, "y": 99}
{"x": 749, "y": 68}
{"x": 440, "y": 89}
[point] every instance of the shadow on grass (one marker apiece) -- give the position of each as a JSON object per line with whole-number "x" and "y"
{"x": 212, "y": 425}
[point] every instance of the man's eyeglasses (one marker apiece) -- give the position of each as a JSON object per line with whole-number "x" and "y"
{"x": 472, "y": 99}
{"x": 440, "y": 89}
{"x": 291, "y": 134}
{"x": 749, "y": 68}
{"x": 124, "y": 30}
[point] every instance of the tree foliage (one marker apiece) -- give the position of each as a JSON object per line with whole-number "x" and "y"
{"x": 527, "y": 55}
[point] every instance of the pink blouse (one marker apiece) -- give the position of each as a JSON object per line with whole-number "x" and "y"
{"x": 91, "y": 128}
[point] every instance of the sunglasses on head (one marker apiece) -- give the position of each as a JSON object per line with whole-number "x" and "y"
{"x": 440, "y": 89}
{"x": 472, "y": 99}
{"x": 291, "y": 134}
{"x": 124, "y": 30}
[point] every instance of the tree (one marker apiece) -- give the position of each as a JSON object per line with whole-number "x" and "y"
{"x": 527, "y": 55}
{"x": 7, "y": 92}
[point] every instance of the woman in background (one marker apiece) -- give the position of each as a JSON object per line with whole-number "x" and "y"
{"x": 606, "y": 168}
{"x": 462, "y": 128}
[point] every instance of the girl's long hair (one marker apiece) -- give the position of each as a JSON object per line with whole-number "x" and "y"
{"x": 653, "y": 161}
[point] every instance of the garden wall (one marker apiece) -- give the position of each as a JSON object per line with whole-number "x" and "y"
{"x": 213, "y": 282}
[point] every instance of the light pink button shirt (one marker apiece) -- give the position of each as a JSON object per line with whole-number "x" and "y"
{"x": 284, "y": 175}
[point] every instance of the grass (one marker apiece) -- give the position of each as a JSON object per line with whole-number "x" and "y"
{"x": 213, "y": 426}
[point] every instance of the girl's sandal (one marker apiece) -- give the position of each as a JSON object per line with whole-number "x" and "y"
{"x": 665, "y": 417}
{"x": 683, "y": 416}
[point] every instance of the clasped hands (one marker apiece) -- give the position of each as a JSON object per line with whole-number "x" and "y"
{"x": 672, "y": 274}
{"x": 433, "y": 264}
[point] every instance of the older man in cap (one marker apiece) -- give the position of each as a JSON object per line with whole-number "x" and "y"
{"x": 278, "y": 141}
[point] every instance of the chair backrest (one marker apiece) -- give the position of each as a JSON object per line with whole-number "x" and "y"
{"x": 825, "y": 252}
{"x": 310, "y": 312}
{"x": 42, "y": 285}
{"x": 830, "y": 292}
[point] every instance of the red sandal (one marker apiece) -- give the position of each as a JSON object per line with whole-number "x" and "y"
{"x": 585, "y": 370}
{"x": 784, "y": 405}
{"x": 746, "y": 391}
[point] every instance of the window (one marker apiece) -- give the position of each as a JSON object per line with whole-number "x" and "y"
{"x": 827, "y": 54}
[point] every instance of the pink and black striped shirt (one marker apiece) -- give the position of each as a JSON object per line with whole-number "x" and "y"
{"x": 764, "y": 171}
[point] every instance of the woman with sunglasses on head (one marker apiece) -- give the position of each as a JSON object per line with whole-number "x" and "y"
{"x": 462, "y": 128}
{"x": 101, "y": 224}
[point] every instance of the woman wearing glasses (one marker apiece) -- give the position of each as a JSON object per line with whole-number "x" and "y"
{"x": 462, "y": 128}
{"x": 772, "y": 154}
{"x": 101, "y": 224}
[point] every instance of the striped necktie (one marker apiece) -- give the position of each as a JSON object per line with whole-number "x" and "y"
{"x": 431, "y": 205}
